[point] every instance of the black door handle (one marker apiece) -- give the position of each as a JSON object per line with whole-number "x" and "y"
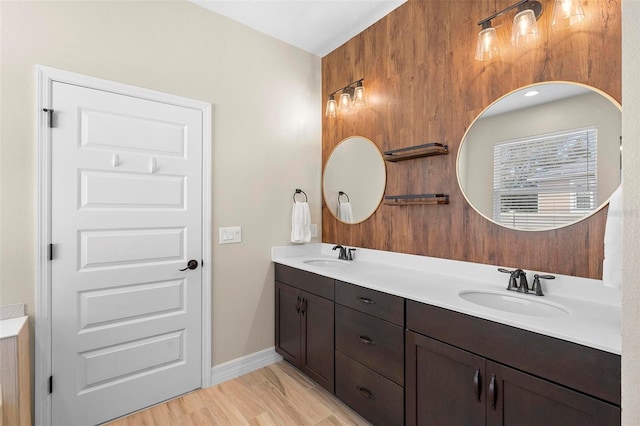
{"x": 192, "y": 264}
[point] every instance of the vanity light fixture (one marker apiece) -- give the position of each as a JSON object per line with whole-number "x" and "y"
{"x": 524, "y": 31}
{"x": 345, "y": 102}
{"x": 566, "y": 13}
{"x": 352, "y": 95}
{"x": 332, "y": 107}
{"x": 487, "y": 46}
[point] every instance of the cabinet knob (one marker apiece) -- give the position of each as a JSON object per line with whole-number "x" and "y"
{"x": 366, "y": 301}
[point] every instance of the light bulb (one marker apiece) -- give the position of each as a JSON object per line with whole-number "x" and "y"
{"x": 332, "y": 107}
{"x": 358, "y": 96}
{"x": 487, "y": 45}
{"x": 525, "y": 28}
{"x": 566, "y": 13}
{"x": 345, "y": 102}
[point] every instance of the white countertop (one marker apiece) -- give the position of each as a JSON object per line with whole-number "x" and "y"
{"x": 11, "y": 327}
{"x": 594, "y": 317}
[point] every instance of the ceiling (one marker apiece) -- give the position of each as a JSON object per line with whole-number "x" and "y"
{"x": 549, "y": 92}
{"x": 317, "y": 26}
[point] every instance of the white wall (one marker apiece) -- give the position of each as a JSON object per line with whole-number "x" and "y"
{"x": 266, "y": 133}
{"x": 631, "y": 179}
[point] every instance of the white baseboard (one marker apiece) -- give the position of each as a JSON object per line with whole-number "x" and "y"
{"x": 243, "y": 365}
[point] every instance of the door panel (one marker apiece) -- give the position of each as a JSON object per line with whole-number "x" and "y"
{"x": 447, "y": 384}
{"x": 112, "y": 306}
{"x": 126, "y": 198}
{"x": 109, "y": 190}
{"x": 317, "y": 339}
{"x": 525, "y": 400}
{"x": 288, "y": 322}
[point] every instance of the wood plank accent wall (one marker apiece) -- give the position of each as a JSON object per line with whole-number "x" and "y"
{"x": 424, "y": 85}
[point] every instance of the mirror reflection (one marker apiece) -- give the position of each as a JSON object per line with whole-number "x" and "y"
{"x": 354, "y": 180}
{"x": 542, "y": 157}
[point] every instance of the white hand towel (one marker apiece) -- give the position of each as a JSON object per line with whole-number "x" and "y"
{"x": 613, "y": 231}
{"x": 345, "y": 213}
{"x": 300, "y": 223}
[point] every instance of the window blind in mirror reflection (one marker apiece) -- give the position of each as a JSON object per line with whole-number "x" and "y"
{"x": 545, "y": 181}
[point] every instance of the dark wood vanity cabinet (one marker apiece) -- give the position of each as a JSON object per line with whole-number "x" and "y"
{"x": 434, "y": 366}
{"x": 474, "y": 372}
{"x": 370, "y": 353}
{"x": 305, "y": 323}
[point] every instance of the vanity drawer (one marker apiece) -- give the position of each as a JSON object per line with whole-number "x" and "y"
{"x": 373, "y": 342}
{"x": 376, "y": 398}
{"x": 372, "y": 302}
{"x": 307, "y": 281}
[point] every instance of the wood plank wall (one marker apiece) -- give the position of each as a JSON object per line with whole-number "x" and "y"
{"x": 423, "y": 85}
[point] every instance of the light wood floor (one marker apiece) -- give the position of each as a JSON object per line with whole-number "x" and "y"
{"x": 274, "y": 395}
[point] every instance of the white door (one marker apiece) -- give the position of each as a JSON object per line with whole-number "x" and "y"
{"x": 126, "y": 216}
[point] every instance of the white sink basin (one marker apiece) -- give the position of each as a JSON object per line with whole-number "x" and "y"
{"x": 327, "y": 263}
{"x": 524, "y": 305}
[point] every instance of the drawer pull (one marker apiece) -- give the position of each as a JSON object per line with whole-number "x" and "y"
{"x": 476, "y": 384}
{"x": 367, "y": 340}
{"x": 366, "y": 392}
{"x": 492, "y": 392}
{"x": 366, "y": 301}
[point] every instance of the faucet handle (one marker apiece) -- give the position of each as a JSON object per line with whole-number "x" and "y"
{"x": 536, "y": 286}
{"x": 513, "y": 285}
{"x": 351, "y": 255}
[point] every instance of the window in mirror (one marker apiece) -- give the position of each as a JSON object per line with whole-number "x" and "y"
{"x": 545, "y": 180}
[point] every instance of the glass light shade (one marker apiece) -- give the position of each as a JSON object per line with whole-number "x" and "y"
{"x": 345, "y": 102}
{"x": 358, "y": 97}
{"x": 487, "y": 46}
{"x": 525, "y": 28}
{"x": 566, "y": 13}
{"x": 332, "y": 108}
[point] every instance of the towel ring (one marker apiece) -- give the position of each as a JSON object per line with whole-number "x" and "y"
{"x": 300, "y": 191}
{"x": 341, "y": 193}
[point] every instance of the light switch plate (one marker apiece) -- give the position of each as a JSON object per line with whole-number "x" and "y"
{"x": 314, "y": 230}
{"x": 230, "y": 234}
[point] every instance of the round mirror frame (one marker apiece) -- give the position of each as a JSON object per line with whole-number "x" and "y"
{"x": 523, "y": 88}
{"x": 376, "y": 200}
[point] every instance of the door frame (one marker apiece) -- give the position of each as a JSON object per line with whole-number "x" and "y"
{"x": 45, "y": 77}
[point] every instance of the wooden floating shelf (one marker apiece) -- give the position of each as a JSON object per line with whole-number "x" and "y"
{"x": 407, "y": 200}
{"x": 425, "y": 150}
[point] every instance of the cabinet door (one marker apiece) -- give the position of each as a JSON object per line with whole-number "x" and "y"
{"x": 444, "y": 385}
{"x": 317, "y": 357}
{"x": 520, "y": 399}
{"x": 288, "y": 303}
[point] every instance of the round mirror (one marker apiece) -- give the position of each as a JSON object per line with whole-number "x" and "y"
{"x": 543, "y": 156}
{"x": 354, "y": 180}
